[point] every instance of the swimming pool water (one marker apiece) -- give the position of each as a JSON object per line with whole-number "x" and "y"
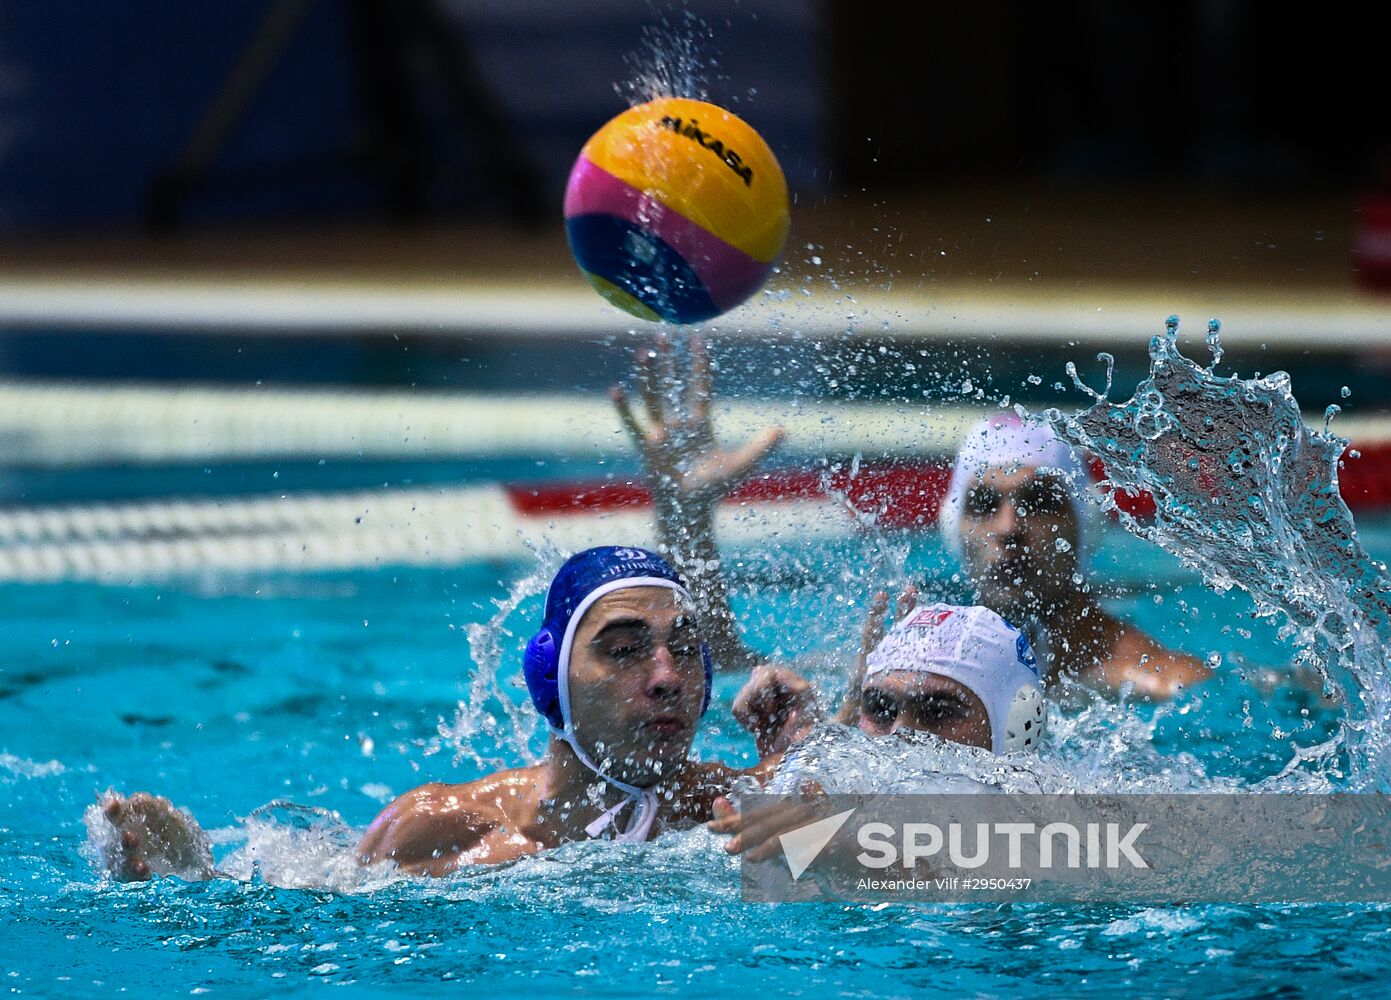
{"x": 330, "y": 691}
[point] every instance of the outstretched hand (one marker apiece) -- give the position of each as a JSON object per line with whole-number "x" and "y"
{"x": 871, "y": 636}
{"x": 756, "y": 830}
{"x": 149, "y": 836}
{"x": 689, "y": 473}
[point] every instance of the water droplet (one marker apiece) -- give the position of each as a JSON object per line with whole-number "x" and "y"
{"x": 1214, "y": 341}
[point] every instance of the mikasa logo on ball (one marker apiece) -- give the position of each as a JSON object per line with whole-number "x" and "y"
{"x": 691, "y": 130}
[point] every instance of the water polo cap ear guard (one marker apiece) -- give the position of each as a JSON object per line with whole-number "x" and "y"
{"x": 1026, "y": 721}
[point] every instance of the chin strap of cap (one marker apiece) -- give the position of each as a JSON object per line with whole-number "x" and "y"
{"x": 643, "y": 799}
{"x": 639, "y": 826}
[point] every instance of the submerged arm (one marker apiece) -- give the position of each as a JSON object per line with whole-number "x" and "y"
{"x": 142, "y": 835}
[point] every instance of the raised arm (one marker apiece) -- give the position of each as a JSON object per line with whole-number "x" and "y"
{"x": 871, "y": 636}
{"x": 688, "y": 475}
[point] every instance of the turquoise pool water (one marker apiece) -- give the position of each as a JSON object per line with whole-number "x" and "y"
{"x": 332, "y": 692}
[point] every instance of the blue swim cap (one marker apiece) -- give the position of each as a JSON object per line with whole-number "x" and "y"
{"x": 587, "y": 571}
{"x": 583, "y": 579}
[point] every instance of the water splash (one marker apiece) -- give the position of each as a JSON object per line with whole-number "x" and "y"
{"x": 1110, "y": 361}
{"x": 1214, "y": 342}
{"x": 488, "y": 710}
{"x": 672, "y": 60}
{"x": 1248, "y": 495}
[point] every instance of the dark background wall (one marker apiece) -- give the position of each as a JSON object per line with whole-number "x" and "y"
{"x": 355, "y": 117}
{"x": 1194, "y": 92}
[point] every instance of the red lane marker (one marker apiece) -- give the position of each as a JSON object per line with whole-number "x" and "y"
{"x": 1365, "y": 482}
{"x": 896, "y": 494}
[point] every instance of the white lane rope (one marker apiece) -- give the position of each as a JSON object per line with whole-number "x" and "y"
{"x": 1098, "y": 317}
{"x": 43, "y": 425}
{"x": 130, "y": 543}
{"x": 54, "y": 426}
{"x": 76, "y": 426}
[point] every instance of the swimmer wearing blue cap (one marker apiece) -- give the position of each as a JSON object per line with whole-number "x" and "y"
{"x": 621, "y": 674}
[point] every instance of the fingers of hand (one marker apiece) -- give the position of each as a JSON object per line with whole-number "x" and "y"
{"x": 874, "y": 620}
{"x": 758, "y": 449}
{"x": 750, "y": 707}
{"x": 724, "y": 825}
{"x": 907, "y": 601}
{"x": 648, "y": 388}
{"x": 133, "y": 866}
{"x": 768, "y": 849}
{"x": 761, "y": 829}
{"x": 790, "y": 682}
{"x": 722, "y": 471}
{"x": 626, "y": 417}
{"x": 771, "y": 696}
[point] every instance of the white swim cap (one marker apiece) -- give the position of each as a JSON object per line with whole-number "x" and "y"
{"x": 975, "y": 647}
{"x": 1004, "y": 441}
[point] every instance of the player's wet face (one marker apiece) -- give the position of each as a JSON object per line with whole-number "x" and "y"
{"x": 637, "y": 681}
{"x": 1020, "y": 535}
{"x": 906, "y": 699}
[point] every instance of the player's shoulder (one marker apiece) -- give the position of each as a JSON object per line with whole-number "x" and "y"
{"x": 433, "y": 820}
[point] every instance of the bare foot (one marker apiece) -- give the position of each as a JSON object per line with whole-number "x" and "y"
{"x": 143, "y": 835}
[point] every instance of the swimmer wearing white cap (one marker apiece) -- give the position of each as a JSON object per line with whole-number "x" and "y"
{"x": 962, "y": 674}
{"x": 1017, "y": 516}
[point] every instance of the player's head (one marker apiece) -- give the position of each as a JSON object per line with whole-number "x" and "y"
{"x": 961, "y": 673}
{"x": 1017, "y": 516}
{"x": 619, "y": 669}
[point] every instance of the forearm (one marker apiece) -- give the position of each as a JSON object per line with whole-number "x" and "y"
{"x": 849, "y": 714}
{"x": 688, "y": 540}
